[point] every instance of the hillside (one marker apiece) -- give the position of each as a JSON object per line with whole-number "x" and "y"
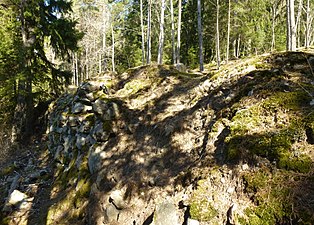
{"x": 162, "y": 146}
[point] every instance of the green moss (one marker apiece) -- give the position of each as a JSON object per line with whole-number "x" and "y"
{"x": 271, "y": 198}
{"x": 268, "y": 145}
{"x": 202, "y": 210}
{"x": 76, "y": 183}
{"x": 294, "y": 100}
{"x": 245, "y": 120}
{"x": 302, "y": 163}
{"x": 201, "y": 207}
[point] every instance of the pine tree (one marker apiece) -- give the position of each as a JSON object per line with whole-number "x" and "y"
{"x": 40, "y": 23}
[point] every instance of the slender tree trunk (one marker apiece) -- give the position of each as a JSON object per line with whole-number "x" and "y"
{"x": 298, "y": 23}
{"x": 73, "y": 69}
{"x": 298, "y": 36}
{"x": 291, "y": 26}
{"x": 100, "y": 64}
{"x": 112, "y": 51}
{"x": 273, "y": 39}
{"x": 104, "y": 42}
{"x": 161, "y": 32}
{"x": 200, "y": 34}
{"x": 217, "y": 35}
{"x": 87, "y": 63}
{"x": 228, "y": 32}
{"x": 142, "y": 28}
{"x": 238, "y": 46}
{"x": 179, "y": 32}
{"x": 149, "y": 53}
{"x": 307, "y": 32}
{"x": 172, "y": 33}
{"x": 288, "y": 25}
{"x": 234, "y": 44}
{"x": 76, "y": 70}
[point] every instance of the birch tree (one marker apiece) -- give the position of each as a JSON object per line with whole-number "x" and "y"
{"x": 307, "y": 25}
{"x": 291, "y": 26}
{"x": 179, "y": 32}
{"x": 149, "y": 53}
{"x": 142, "y": 31}
{"x": 172, "y": 33}
{"x": 217, "y": 35}
{"x": 228, "y": 32}
{"x": 161, "y": 32}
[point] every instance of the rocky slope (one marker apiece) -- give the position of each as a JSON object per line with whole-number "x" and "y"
{"x": 160, "y": 146}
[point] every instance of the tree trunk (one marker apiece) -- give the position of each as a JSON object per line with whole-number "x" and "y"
{"x": 291, "y": 26}
{"x": 238, "y": 46}
{"x": 200, "y": 34}
{"x": 172, "y": 33}
{"x": 149, "y": 53}
{"x": 143, "y": 38}
{"x": 228, "y": 32}
{"x": 217, "y": 35}
{"x": 161, "y": 32}
{"x": 22, "y": 127}
{"x": 73, "y": 69}
{"x": 179, "y": 32}
{"x": 76, "y": 70}
{"x": 273, "y": 39}
{"x": 307, "y": 32}
{"x": 87, "y": 63}
{"x": 104, "y": 42}
{"x": 288, "y": 21}
{"x": 112, "y": 51}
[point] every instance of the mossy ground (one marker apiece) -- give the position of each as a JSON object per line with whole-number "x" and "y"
{"x": 70, "y": 193}
{"x": 270, "y": 127}
{"x": 201, "y": 205}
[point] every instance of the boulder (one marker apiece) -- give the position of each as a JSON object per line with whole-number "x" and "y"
{"x": 17, "y": 197}
{"x": 116, "y": 198}
{"x": 180, "y": 67}
{"x": 166, "y": 214}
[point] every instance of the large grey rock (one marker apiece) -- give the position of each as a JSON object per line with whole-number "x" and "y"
{"x": 80, "y": 141}
{"x": 17, "y": 197}
{"x": 81, "y": 108}
{"x": 72, "y": 121}
{"x": 166, "y": 214}
{"x": 99, "y": 133}
{"x": 95, "y": 156}
{"x": 116, "y": 198}
{"x": 90, "y": 97}
{"x": 77, "y": 108}
{"x": 88, "y": 87}
{"x": 181, "y": 67}
{"x": 68, "y": 143}
{"x": 85, "y": 126}
{"x": 100, "y": 107}
{"x": 111, "y": 213}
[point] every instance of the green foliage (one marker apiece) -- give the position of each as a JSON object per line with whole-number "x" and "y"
{"x": 28, "y": 74}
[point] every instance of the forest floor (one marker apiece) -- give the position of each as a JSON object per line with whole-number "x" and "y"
{"x": 238, "y": 136}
